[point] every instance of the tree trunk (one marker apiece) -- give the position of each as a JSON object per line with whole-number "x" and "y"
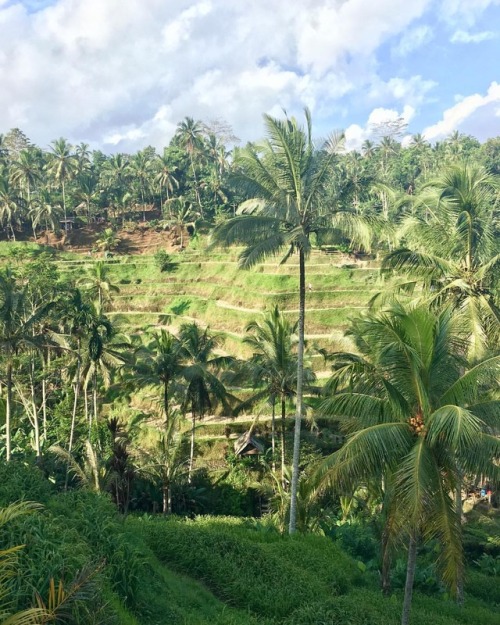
{"x": 8, "y": 411}
{"x": 410, "y": 575}
{"x": 459, "y": 512}
{"x": 273, "y": 435}
{"x": 165, "y": 401}
{"x": 36, "y": 425}
{"x": 167, "y": 499}
{"x": 385, "y": 578}
{"x": 76, "y": 390}
{"x": 283, "y": 432}
{"x": 300, "y": 379}
{"x": 94, "y": 394}
{"x": 191, "y": 454}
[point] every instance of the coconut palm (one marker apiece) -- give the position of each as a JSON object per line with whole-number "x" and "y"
{"x": 97, "y": 283}
{"x": 62, "y": 166}
{"x": 161, "y": 456}
{"x": 105, "y": 352}
{"x": 141, "y": 168}
{"x": 189, "y": 135}
{"x": 161, "y": 362}
{"x": 45, "y": 211}
{"x": 18, "y": 331}
{"x": 25, "y": 173}
{"x": 165, "y": 178}
{"x": 453, "y": 248}
{"x": 285, "y": 176}
{"x": 200, "y": 371}
{"x": 11, "y": 204}
{"x": 273, "y": 367}
{"x": 414, "y": 413}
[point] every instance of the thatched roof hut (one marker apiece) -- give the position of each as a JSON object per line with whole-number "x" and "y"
{"x": 248, "y": 445}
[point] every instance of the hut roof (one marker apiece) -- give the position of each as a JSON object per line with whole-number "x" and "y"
{"x": 247, "y": 445}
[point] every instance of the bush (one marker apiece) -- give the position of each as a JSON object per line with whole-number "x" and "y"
{"x": 21, "y": 481}
{"x": 164, "y": 261}
{"x": 252, "y": 569}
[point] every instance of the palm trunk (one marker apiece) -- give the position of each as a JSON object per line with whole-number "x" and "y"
{"x": 283, "y": 432}
{"x": 385, "y": 577}
{"x": 8, "y": 412}
{"x": 459, "y": 512}
{"x": 191, "y": 454}
{"x": 273, "y": 435}
{"x": 167, "y": 498}
{"x": 94, "y": 394}
{"x": 410, "y": 575}
{"x": 300, "y": 380}
{"x": 73, "y": 414}
{"x": 165, "y": 402}
{"x": 36, "y": 425}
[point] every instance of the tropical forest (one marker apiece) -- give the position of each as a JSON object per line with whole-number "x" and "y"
{"x": 250, "y": 384}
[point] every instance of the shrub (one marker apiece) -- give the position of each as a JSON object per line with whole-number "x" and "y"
{"x": 252, "y": 569}
{"x": 21, "y": 481}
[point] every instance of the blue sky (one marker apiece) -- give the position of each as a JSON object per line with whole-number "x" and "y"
{"x": 120, "y": 74}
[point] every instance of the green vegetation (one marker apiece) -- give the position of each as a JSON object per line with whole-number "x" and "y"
{"x": 146, "y": 399}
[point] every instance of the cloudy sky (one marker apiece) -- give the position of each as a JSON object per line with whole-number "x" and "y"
{"x": 120, "y": 74}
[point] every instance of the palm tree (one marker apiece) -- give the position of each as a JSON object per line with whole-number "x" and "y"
{"x": 44, "y": 210}
{"x": 413, "y": 414}
{"x": 454, "y": 248}
{"x": 97, "y": 283}
{"x": 25, "y": 173}
{"x": 141, "y": 168}
{"x": 200, "y": 370}
{"x": 62, "y": 166}
{"x": 11, "y": 204}
{"x": 274, "y": 366}
{"x": 105, "y": 351}
{"x": 189, "y": 135}
{"x": 161, "y": 456}
{"x": 165, "y": 178}
{"x": 286, "y": 177}
{"x": 161, "y": 362}
{"x": 18, "y": 331}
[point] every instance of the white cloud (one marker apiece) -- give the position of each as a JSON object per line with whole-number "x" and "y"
{"x": 462, "y": 36}
{"x": 355, "y": 134}
{"x": 475, "y": 114}
{"x": 465, "y": 12}
{"x": 124, "y": 73}
{"x": 413, "y": 39}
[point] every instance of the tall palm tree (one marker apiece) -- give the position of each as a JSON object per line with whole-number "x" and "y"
{"x": 161, "y": 362}
{"x": 285, "y": 176}
{"x": 453, "y": 247}
{"x": 18, "y": 331}
{"x": 97, "y": 283}
{"x": 25, "y": 173}
{"x": 273, "y": 365}
{"x": 161, "y": 456}
{"x": 62, "y": 166}
{"x": 141, "y": 168}
{"x": 11, "y": 204}
{"x": 105, "y": 352}
{"x": 411, "y": 410}
{"x": 200, "y": 371}
{"x": 45, "y": 211}
{"x": 189, "y": 135}
{"x": 165, "y": 177}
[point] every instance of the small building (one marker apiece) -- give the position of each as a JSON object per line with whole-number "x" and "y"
{"x": 67, "y": 224}
{"x": 248, "y": 445}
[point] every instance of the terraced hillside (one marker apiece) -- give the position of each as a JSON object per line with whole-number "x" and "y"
{"x": 210, "y": 288}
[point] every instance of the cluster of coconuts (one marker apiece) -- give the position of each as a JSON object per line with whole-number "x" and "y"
{"x": 417, "y": 424}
